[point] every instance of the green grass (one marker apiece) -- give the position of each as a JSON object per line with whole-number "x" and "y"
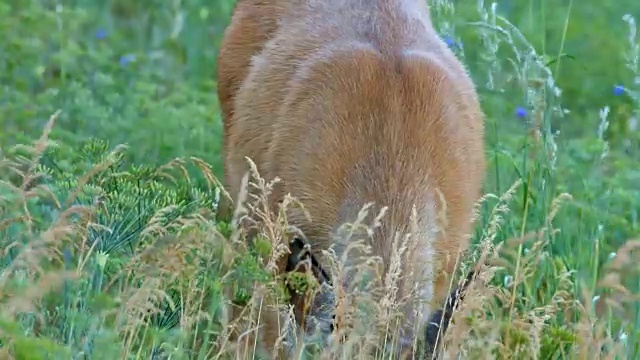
{"x": 111, "y": 251}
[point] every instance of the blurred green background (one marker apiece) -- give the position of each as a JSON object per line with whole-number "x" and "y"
{"x": 142, "y": 73}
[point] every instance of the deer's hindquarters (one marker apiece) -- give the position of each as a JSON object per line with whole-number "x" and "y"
{"x": 350, "y": 102}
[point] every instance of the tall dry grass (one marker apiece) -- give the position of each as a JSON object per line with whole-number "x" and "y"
{"x": 489, "y": 323}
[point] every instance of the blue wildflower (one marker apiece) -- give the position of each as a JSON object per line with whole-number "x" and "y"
{"x": 618, "y": 90}
{"x": 126, "y": 59}
{"x": 521, "y": 112}
{"x": 101, "y": 34}
{"x": 450, "y": 42}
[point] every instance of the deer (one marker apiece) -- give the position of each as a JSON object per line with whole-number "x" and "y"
{"x": 350, "y": 102}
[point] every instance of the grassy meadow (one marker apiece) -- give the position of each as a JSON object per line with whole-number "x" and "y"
{"x": 110, "y": 144}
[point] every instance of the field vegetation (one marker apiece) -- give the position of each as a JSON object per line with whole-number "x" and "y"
{"x": 110, "y": 155}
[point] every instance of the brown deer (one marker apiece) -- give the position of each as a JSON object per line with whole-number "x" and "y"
{"x": 350, "y": 102}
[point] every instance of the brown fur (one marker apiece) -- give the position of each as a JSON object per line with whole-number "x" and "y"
{"x": 348, "y": 102}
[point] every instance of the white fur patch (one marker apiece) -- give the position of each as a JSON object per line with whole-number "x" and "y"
{"x": 427, "y": 256}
